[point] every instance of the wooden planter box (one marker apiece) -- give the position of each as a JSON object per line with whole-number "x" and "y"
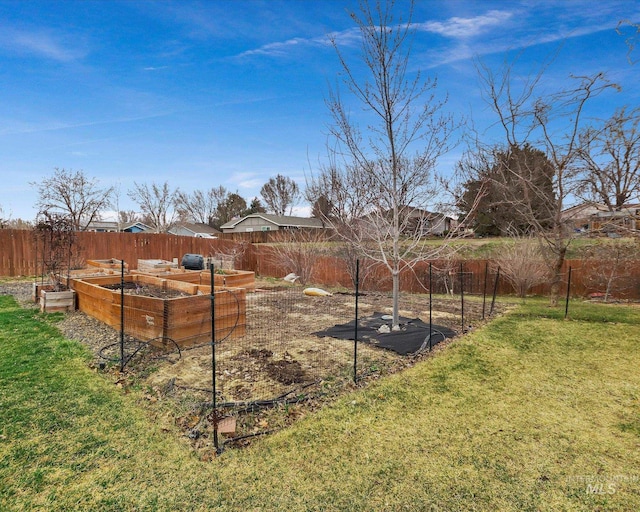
{"x": 227, "y": 278}
{"x": 112, "y": 263}
{"x": 186, "y": 320}
{"x": 233, "y": 278}
{"x": 37, "y": 290}
{"x": 175, "y": 274}
{"x": 144, "y": 265}
{"x": 51, "y": 301}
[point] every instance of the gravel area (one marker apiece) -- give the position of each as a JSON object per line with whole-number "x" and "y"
{"x": 21, "y": 290}
{"x": 77, "y": 326}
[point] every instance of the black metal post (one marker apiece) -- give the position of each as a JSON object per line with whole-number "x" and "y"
{"x": 355, "y": 328}
{"x": 484, "y": 288}
{"x": 495, "y": 291}
{"x": 430, "y": 309}
{"x": 213, "y": 363}
{"x": 461, "y": 300}
{"x": 122, "y": 315}
{"x": 566, "y": 307}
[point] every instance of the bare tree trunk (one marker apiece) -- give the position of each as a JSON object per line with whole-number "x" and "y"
{"x": 556, "y": 277}
{"x": 396, "y": 295}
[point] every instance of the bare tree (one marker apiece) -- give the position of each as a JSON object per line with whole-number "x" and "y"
{"x": 522, "y": 264}
{"x": 156, "y": 204}
{"x": 631, "y": 39}
{"x": 551, "y": 123}
{"x": 380, "y": 180}
{"x": 280, "y": 194}
{"x": 611, "y": 159}
{"x": 200, "y": 206}
{"x": 73, "y": 194}
{"x": 128, "y": 217}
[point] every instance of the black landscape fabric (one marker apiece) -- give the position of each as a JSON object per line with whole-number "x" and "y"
{"x": 412, "y": 337}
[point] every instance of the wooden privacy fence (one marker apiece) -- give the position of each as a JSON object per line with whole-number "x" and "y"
{"x": 19, "y": 251}
{"x": 19, "y": 256}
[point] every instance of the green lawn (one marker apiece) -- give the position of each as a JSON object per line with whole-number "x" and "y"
{"x": 531, "y": 412}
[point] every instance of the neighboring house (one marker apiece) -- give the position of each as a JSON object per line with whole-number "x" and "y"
{"x": 136, "y": 227}
{"x": 578, "y": 216}
{"x": 430, "y": 223}
{"x": 198, "y": 230}
{"x": 627, "y": 218}
{"x": 269, "y": 222}
{"x": 419, "y": 222}
{"x": 597, "y": 217}
{"x": 103, "y": 226}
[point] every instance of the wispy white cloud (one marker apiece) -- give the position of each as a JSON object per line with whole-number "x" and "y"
{"x": 41, "y": 43}
{"x": 23, "y": 127}
{"x": 455, "y": 27}
{"x": 246, "y": 180}
{"x": 276, "y": 49}
{"x": 347, "y": 37}
{"x": 461, "y": 28}
{"x": 283, "y": 48}
{"x": 515, "y": 42}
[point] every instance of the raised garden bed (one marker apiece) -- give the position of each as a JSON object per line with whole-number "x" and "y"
{"x": 111, "y": 263}
{"x": 233, "y": 278}
{"x": 175, "y": 274}
{"x": 186, "y": 319}
{"x": 226, "y": 278}
{"x": 152, "y": 265}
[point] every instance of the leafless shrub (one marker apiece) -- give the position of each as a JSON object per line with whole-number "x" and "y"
{"x": 298, "y": 252}
{"x": 229, "y": 259}
{"x": 56, "y": 238}
{"x": 522, "y": 265}
{"x": 610, "y": 264}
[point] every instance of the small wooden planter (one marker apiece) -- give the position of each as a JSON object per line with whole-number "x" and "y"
{"x": 51, "y": 301}
{"x": 37, "y": 290}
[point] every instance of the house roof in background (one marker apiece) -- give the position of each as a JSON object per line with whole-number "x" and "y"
{"x": 197, "y": 227}
{"x": 278, "y": 220}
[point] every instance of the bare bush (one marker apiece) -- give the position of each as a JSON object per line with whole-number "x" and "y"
{"x": 298, "y": 252}
{"x": 56, "y": 237}
{"x": 523, "y": 265}
{"x": 610, "y": 264}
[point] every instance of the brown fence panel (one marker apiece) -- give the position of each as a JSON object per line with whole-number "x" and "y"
{"x": 19, "y": 255}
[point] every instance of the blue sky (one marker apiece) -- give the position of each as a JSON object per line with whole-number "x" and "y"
{"x": 231, "y": 93}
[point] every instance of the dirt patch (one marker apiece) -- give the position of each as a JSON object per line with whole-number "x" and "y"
{"x": 280, "y": 353}
{"x": 285, "y": 371}
{"x": 146, "y": 290}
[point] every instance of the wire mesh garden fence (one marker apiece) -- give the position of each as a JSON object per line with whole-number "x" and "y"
{"x": 277, "y": 345}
